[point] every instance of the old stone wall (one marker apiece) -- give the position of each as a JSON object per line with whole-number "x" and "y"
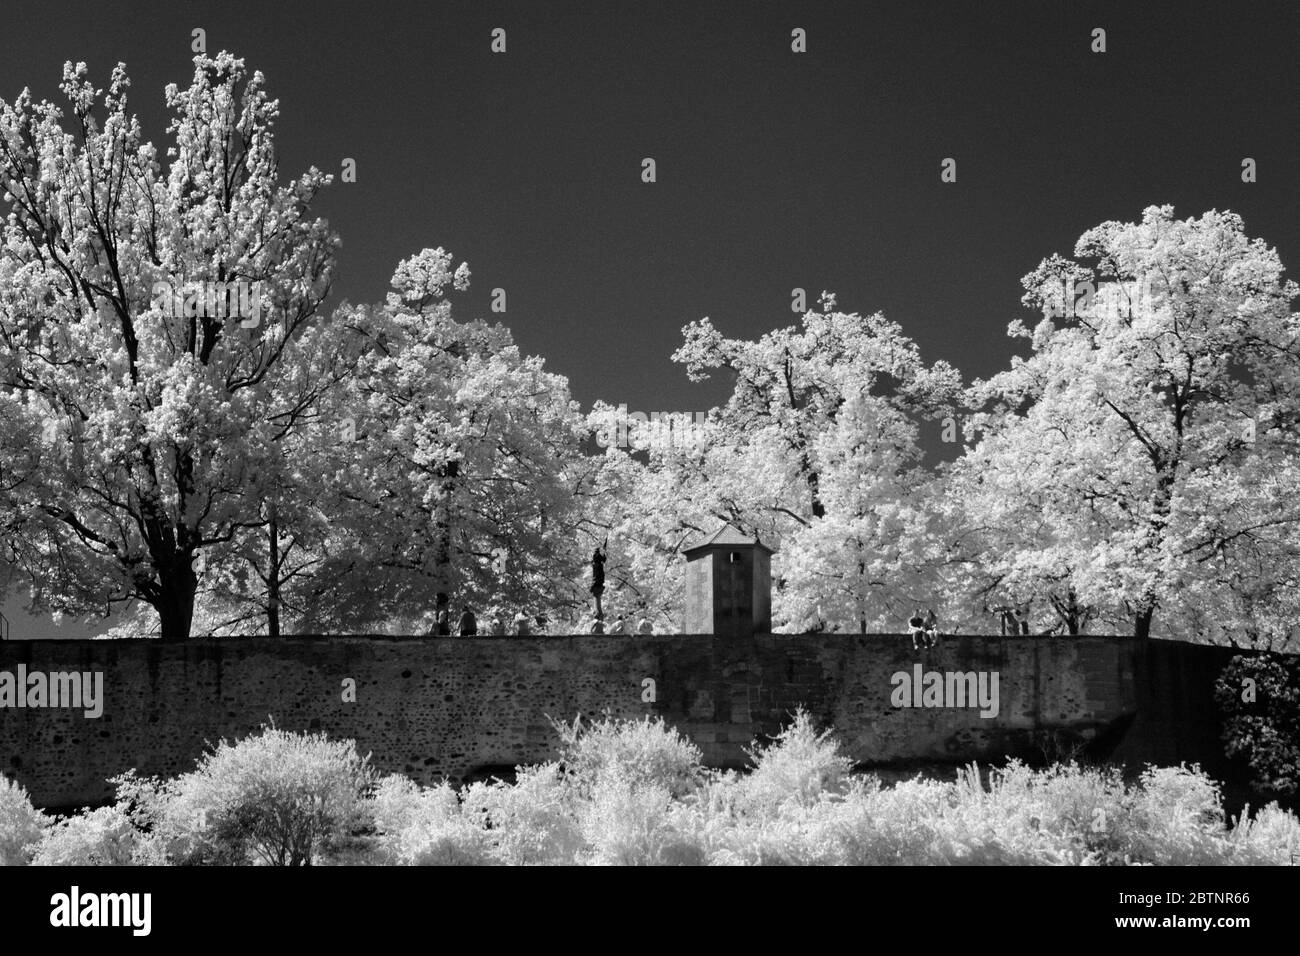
{"x": 466, "y": 707}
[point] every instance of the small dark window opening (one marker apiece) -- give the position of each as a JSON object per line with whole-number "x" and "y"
{"x": 734, "y": 557}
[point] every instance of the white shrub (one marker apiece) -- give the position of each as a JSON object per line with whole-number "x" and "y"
{"x": 20, "y": 824}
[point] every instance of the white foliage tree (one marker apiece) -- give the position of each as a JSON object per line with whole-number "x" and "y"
{"x": 816, "y": 452}
{"x": 137, "y": 434}
{"x": 464, "y": 478}
{"x": 1142, "y": 460}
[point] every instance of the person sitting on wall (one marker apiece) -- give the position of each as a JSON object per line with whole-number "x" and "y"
{"x": 916, "y": 629}
{"x": 468, "y": 624}
{"x": 498, "y": 625}
{"x": 522, "y": 627}
{"x": 620, "y": 627}
{"x": 931, "y": 628}
{"x": 597, "y": 627}
{"x": 644, "y": 626}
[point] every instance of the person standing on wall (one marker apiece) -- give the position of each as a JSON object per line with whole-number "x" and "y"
{"x": 468, "y": 626}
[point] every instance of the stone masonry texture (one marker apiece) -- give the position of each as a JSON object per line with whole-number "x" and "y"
{"x": 465, "y": 708}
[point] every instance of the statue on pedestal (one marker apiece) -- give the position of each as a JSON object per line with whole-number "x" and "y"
{"x": 598, "y": 583}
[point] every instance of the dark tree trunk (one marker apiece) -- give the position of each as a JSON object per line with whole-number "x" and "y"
{"x": 814, "y": 488}
{"x": 175, "y": 603}
{"x": 1072, "y": 613}
{"x": 862, "y": 573}
{"x": 442, "y": 555}
{"x": 273, "y": 578}
{"x": 1142, "y": 622}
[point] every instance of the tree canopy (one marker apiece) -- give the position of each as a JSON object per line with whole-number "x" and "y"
{"x": 188, "y": 431}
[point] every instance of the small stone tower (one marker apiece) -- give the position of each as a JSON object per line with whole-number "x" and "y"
{"x": 728, "y": 585}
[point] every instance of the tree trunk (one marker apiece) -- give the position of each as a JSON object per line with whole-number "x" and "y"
{"x": 175, "y": 605}
{"x": 1142, "y": 622}
{"x": 814, "y": 489}
{"x": 442, "y": 554}
{"x": 273, "y": 577}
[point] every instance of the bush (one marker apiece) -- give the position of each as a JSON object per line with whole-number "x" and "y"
{"x": 102, "y": 837}
{"x": 1266, "y": 729}
{"x": 276, "y": 798}
{"x": 634, "y": 822}
{"x": 799, "y": 766}
{"x": 125, "y": 833}
{"x": 425, "y": 826}
{"x": 1272, "y": 838}
{"x": 1080, "y": 816}
{"x": 171, "y": 822}
{"x": 644, "y": 752}
{"x": 634, "y": 793}
{"x": 533, "y": 820}
{"x": 1178, "y": 819}
{"x": 21, "y": 824}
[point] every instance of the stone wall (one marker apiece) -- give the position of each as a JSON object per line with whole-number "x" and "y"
{"x": 466, "y": 707}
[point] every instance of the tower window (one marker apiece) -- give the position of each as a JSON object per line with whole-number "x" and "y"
{"x": 734, "y": 557}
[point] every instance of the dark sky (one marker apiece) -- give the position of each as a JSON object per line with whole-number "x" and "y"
{"x": 775, "y": 169}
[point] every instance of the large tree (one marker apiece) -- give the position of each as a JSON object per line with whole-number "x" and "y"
{"x": 1142, "y": 460}
{"x": 461, "y": 486}
{"x": 816, "y": 451}
{"x": 137, "y": 434}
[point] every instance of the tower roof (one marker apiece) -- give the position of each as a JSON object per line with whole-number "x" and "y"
{"x": 725, "y": 537}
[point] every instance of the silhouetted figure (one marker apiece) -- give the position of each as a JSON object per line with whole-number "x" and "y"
{"x": 916, "y": 629}
{"x": 522, "y": 627}
{"x": 1020, "y": 623}
{"x": 620, "y": 627}
{"x": 598, "y": 581}
{"x": 498, "y": 626}
{"x": 644, "y": 626}
{"x": 1007, "y": 620}
{"x": 597, "y": 627}
{"x": 1014, "y": 621}
{"x": 931, "y": 628}
{"x": 468, "y": 624}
